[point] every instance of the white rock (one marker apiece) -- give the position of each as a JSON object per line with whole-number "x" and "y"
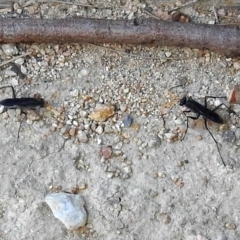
{"x": 123, "y": 107}
{"x": 168, "y": 54}
{"x": 10, "y": 49}
{"x": 211, "y": 22}
{"x": 74, "y": 93}
{"x": 19, "y": 61}
{"x": 68, "y": 208}
{"x": 99, "y": 129}
{"x": 169, "y": 135}
{"x": 1, "y": 108}
{"x": 82, "y": 136}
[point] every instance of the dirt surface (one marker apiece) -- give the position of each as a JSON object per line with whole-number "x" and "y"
{"x": 139, "y": 181}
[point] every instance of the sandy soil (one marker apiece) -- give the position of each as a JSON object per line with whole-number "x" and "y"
{"x": 154, "y": 186}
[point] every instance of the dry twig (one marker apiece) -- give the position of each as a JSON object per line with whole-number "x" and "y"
{"x": 225, "y": 40}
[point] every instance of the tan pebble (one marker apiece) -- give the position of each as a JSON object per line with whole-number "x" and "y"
{"x": 223, "y": 127}
{"x": 135, "y": 126}
{"x": 5, "y": 115}
{"x": 199, "y": 137}
{"x": 32, "y": 9}
{"x": 72, "y": 132}
{"x": 126, "y": 135}
{"x": 66, "y": 135}
{"x": 234, "y": 96}
{"x": 161, "y": 174}
{"x": 60, "y": 125}
{"x": 179, "y": 183}
{"x": 55, "y": 112}
{"x": 102, "y": 113}
{"x": 180, "y": 163}
{"x": 16, "y": 6}
{"x": 144, "y": 100}
{"x": 33, "y": 116}
{"x": 83, "y": 186}
{"x": 230, "y": 226}
{"x": 123, "y": 107}
{"x": 106, "y": 152}
{"x": 236, "y": 65}
{"x": 48, "y": 108}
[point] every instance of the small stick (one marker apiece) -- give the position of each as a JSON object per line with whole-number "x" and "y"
{"x": 224, "y": 40}
{"x": 14, "y": 58}
{"x": 215, "y": 14}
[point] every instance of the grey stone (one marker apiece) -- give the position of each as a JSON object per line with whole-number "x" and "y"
{"x": 68, "y": 208}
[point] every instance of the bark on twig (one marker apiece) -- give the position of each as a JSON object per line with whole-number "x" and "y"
{"x": 222, "y": 39}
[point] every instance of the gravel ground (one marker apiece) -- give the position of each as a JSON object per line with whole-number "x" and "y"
{"x": 112, "y": 130}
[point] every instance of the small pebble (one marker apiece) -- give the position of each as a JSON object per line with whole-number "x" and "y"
{"x": 82, "y": 136}
{"x": 106, "y": 152}
{"x": 168, "y": 54}
{"x": 1, "y": 109}
{"x": 211, "y": 22}
{"x": 5, "y": 115}
{"x": 135, "y": 126}
{"x": 74, "y": 93}
{"x": 110, "y": 175}
{"x": 126, "y": 90}
{"x": 99, "y": 129}
{"x": 68, "y": 208}
{"x": 236, "y": 65}
{"x": 230, "y": 226}
{"x": 99, "y": 141}
{"x": 75, "y": 123}
{"x": 223, "y": 127}
{"x": 55, "y": 112}
{"x": 169, "y": 135}
{"x": 123, "y": 107}
{"x": 83, "y": 114}
{"x": 108, "y": 129}
{"x": 102, "y": 113}
{"x": 10, "y": 49}
{"x": 72, "y": 132}
{"x": 161, "y": 174}
{"x": 19, "y": 61}
{"x": 29, "y": 122}
{"x": 234, "y": 96}
{"x": 217, "y": 102}
{"x": 119, "y": 145}
{"x": 127, "y": 121}
{"x": 128, "y": 169}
